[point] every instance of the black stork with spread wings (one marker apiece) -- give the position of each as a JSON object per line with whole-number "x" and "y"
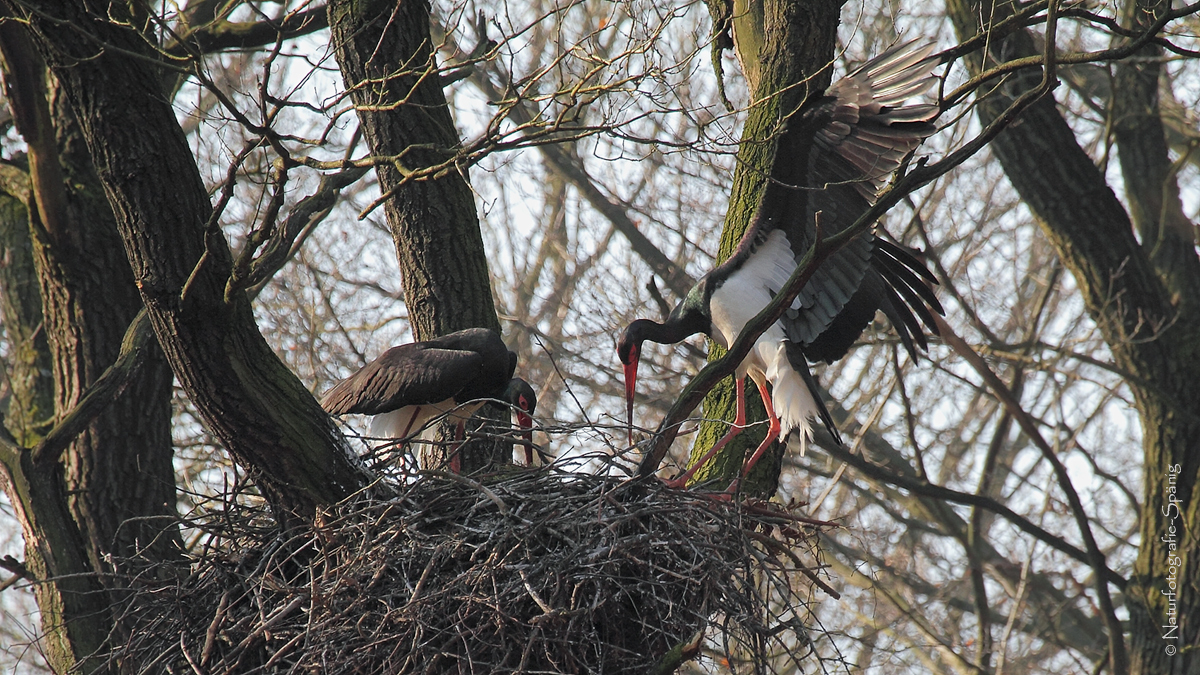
{"x": 452, "y": 375}
{"x": 834, "y": 155}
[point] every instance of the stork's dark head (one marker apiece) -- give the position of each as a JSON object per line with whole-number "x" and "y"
{"x": 629, "y": 347}
{"x": 521, "y": 396}
{"x": 688, "y": 318}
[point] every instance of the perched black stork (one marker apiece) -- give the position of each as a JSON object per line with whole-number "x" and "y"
{"x": 835, "y": 154}
{"x": 452, "y": 375}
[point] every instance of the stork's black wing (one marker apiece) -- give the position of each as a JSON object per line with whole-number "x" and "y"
{"x": 842, "y": 147}
{"x": 412, "y": 374}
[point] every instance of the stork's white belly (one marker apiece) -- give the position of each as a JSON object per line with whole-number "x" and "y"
{"x": 748, "y": 290}
{"x": 743, "y": 295}
{"x": 409, "y": 420}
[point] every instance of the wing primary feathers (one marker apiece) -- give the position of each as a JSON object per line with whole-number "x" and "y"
{"x": 903, "y": 321}
{"x": 914, "y": 301}
{"x": 903, "y": 278}
{"x": 896, "y": 60}
{"x": 917, "y": 115}
{"x": 903, "y": 256}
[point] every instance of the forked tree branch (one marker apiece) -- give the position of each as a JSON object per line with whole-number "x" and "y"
{"x": 100, "y": 394}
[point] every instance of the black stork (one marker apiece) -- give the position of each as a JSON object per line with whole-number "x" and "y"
{"x": 835, "y": 154}
{"x": 452, "y": 375}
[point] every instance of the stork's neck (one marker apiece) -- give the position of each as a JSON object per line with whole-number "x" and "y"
{"x": 667, "y": 333}
{"x": 677, "y": 328}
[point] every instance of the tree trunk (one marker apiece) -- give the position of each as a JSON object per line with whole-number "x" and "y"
{"x": 88, "y": 301}
{"x": 29, "y": 410}
{"x": 786, "y": 49}
{"x": 181, "y": 263}
{"x": 387, "y": 61}
{"x": 74, "y": 607}
{"x": 116, "y": 477}
{"x": 1144, "y": 298}
{"x": 388, "y": 64}
{"x": 1164, "y": 593}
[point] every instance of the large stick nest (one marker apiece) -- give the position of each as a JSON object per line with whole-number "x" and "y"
{"x": 535, "y": 572}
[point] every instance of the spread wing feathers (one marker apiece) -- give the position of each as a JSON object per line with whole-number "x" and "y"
{"x": 864, "y": 127}
{"x": 833, "y": 343}
{"x": 906, "y": 293}
{"x": 859, "y": 138}
{"x": 825, "y": 295}
{"x": 901, "y": 270}
{"x": 873, "y": 294}
{"x": 412, "y": 374}
{"x": 896, "y": 284}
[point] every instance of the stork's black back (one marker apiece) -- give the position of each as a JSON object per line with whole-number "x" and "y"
{"x": 465, "y": 365}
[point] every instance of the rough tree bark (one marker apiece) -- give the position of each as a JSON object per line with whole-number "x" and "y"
{"x": 387, "y": 60}
{"x": 88, "y": 299}
{"x": 786, "y": 51}
{"x": 247, "y": 398}
{"x": 1145, "y": 298}
{"x": 389, "y": 66}
{"x": 29, "y": 409}
{"x": 75, "y": 609}
{"x": 111, "y": 491}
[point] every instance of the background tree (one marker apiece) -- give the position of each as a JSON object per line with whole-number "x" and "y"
{"x": 600, "y": 154}
{"x": 68, "y": 300}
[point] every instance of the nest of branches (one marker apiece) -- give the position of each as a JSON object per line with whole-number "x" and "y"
{"x": 534, "y": 572}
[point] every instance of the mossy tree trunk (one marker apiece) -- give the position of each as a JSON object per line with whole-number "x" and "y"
{"x": 29, "y": 410}
{"x": 73, "y": 605}
{"x": 87, "y": 300}
{"x": 786, "y": 50}
{"x": 1144, "y": 294}
{"x": 389, "y": 66}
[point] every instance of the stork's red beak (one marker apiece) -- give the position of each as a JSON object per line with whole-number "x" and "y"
{"x": 525, "y": 422}
{"x": 630, "y": 388}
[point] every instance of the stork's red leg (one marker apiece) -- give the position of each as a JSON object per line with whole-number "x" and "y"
{"x": 772, "y": 433}
{"x": 455, "y": 459}
{"x": 739, "y": 423}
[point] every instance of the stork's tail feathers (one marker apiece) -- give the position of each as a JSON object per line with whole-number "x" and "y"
{"x": 795, "y": 396}
{"x": 800, "y": 365}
